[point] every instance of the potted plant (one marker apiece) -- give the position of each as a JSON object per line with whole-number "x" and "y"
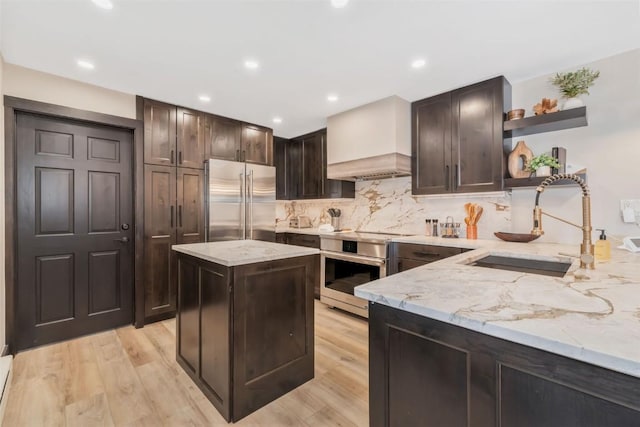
{"x": 574, "y": 84}
{"x": 542, "y": 164}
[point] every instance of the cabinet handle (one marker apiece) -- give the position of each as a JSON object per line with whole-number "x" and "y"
{"x": 171, "y": 216}
{"x": 180, "y": 215}
{"x": 446, "y": 177}
{"x": 180, "y": 157}
{"x": 455, "y": 181}
{"x": 172, "y": 156}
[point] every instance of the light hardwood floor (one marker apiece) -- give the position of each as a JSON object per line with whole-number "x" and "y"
{"x": 129, "y": 377}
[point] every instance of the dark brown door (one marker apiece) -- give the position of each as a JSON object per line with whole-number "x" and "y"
{"x": 431, "y": 145}
{"x": 159, "y": 234}
{"x": 190, "y": 139}
{"x": 257, "y": 145}
{"x": 222, "y": 138}
{"x": 190, "y": 220}
{"x": 75, "y": 229}
{"x": 476, "y": 136}
{"x": 159, "y": 133}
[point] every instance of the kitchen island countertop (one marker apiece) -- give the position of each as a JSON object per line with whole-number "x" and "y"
{"x": 588, "y": 315}
{"x": 241, "y": 252}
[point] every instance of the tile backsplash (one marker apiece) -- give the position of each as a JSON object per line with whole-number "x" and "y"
{"x": 387, "y": 205}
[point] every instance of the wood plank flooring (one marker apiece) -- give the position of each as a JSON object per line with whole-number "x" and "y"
{"x": 129, "y": 377}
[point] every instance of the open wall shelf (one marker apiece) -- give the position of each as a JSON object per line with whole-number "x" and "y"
{"x": 567, "y": 119}
{"x": 534, "y": 181}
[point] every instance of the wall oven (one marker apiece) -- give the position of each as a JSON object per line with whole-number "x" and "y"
{"x": 350, "y": 260}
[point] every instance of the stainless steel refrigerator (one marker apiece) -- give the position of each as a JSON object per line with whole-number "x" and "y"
{"x": 241, "y": 201}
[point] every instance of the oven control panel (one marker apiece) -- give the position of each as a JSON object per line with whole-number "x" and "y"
{"x": 350, "y": 246}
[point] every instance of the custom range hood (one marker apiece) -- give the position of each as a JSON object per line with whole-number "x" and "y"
{"x": 370, "y": 142}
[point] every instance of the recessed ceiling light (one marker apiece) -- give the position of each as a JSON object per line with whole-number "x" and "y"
{"x": 104, "y": 4}
{"x": 332, "y": 97}
{"x": 85, "y": 64}
{"x": 251, "y": 64}
{"x": 204, "y": 98}
{"x": 277, "y": 120}
{"x": 339, "y": 4}
{"x": 418, "y": 63}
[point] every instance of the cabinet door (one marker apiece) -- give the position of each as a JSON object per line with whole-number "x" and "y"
{"x": 281, "y": 162}
{"x": 477, "y": 153}
{"x": 257, "y": 145}
{"x": 190, "y": 201}
{"x": 431, "y": 145}
{"x": 159, "y": 133}
{"x": 313, "y": 166}
{"x": 159, "y": 235}
{"x": 222, "y": 138}
{"x": 188, "y": 319}
{"x": 190, "y": 139}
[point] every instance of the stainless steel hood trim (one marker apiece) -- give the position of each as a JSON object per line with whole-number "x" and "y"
{"x": 377, "y": 167}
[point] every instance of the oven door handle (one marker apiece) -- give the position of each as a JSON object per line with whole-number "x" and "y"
{"x": 353, "y": 258}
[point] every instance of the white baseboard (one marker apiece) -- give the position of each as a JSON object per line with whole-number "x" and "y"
{"x": 6, "y": 373}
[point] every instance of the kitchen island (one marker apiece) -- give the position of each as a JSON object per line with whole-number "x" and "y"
{"x": 245, "y": 325}
{"x": 454, "y": 344}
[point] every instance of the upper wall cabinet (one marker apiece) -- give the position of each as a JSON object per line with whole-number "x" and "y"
{"x": 257, "y": 145}
{"x": 190, "y": 139}
{"x": 159, "y": 133}
{"x": 223, "y": 138}
{"x": 457, "y": 139}
{"x": 228, "y": 139}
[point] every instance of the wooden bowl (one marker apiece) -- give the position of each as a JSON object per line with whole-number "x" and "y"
{"x": 516, "y": 237}
{"x": 515, "y": 114}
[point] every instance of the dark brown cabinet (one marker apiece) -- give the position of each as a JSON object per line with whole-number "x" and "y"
{"x": 427, "y": 373}
{"x": 190, "y": 141}
{"x": 223, "y": 138}
{"x": 159, "y": 133}
{"x": 457, "y": 139}
{"x": 229, "y": 341}
{"x": 228, "y": 139}
{"x": 306, "y": 240}
{"x": 405, "y": 256}
{"x": 190, "y": 206}
{"x": 159, "y": 235}
{"x": 303, "y": 170}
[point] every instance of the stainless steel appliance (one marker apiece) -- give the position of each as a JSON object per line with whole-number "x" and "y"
{"x": 350, "y": 260}
{"x": 241, "y": 201}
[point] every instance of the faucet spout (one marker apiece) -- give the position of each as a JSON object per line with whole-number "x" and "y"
{"x": 586, "y": 247}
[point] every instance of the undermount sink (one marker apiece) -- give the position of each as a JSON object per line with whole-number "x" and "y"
{"x": 524, "y": 265}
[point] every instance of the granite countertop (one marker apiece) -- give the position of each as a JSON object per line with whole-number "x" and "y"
{"x": 588, "y": 315}
{"x": 312, "y": 231}
{"x": 242, "y": 252}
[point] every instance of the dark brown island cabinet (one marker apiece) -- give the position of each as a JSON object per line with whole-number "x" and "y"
{"x": 457, "y": 139}
{"x": 245, "y": 333}
{"x": 427, "y": 373}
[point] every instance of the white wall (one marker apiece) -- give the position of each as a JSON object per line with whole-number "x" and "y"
{"x": 609, "y": 147}
{"x": 30, "y": 84}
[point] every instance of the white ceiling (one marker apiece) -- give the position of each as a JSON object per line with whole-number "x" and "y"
{"x": 176, "y": 50}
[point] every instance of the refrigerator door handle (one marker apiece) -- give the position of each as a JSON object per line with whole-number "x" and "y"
{"x": 251, "y": 205}
{"x": 243, "y": 206}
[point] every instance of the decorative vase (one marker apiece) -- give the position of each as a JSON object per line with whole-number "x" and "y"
{"x": 574, "y": 102}
{"x": 518, "y": 159}
{"x": 543, "y": 171}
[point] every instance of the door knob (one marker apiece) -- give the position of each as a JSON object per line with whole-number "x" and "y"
{"x": 123, "y": 240}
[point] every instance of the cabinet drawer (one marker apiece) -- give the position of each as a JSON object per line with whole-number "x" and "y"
{"x": 427, "y": 253}
{"x": 308, "y": 241}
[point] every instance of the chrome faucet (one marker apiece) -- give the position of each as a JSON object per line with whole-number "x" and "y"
{"x": 586, "y": 248}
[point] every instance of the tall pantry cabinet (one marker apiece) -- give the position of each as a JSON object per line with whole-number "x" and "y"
{"x": 173, "y": 197}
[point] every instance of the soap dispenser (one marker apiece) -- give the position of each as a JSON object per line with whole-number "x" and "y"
{"x": 603, "y": 247}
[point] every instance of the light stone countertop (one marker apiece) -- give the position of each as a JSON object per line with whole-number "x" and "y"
{"x": 311, "y": 231}
{"x": 588, "y": 315}
{"x": 241, "y": 252}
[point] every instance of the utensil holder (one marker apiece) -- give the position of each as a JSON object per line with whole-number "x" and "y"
{"x": 335, "y": 223}
{"x": 472, "y": 232}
